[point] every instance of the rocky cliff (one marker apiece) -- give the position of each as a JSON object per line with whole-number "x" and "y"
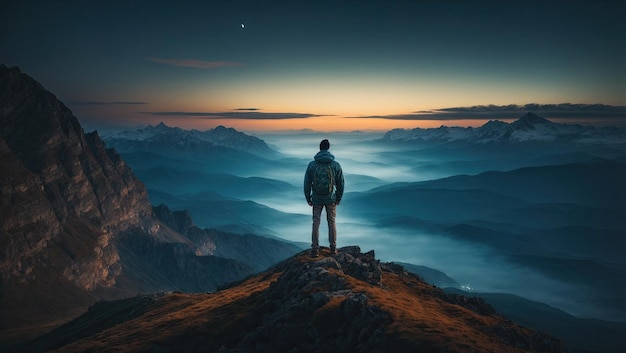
{"x": 76, "y": 225}
{"x": 64, "y": 195}
{"x": 79, "y": 176}
{"x": 348, "y": 302}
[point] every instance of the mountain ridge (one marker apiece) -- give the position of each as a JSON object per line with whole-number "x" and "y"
{"x": 173, "y": 136}
{"x": 595, "y": 182}
{"x": 529, "y": 128}
{"x": 582, "y": 335}
{"x": 348, "y": 302}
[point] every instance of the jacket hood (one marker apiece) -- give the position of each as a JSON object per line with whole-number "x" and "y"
{"x": 324, "y": 157}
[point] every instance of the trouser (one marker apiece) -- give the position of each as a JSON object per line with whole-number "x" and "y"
{"x": 331, "y": 212}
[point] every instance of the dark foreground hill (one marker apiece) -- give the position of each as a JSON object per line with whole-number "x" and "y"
{"x": 349, "y": 302}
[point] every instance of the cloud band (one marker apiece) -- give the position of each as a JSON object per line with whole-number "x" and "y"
{"x": 197, "y": 64}
{"x": 554, "y": 111}
{"x": 245, "y": 114}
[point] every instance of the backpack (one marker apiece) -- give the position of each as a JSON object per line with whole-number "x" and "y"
{"x": 323, "y": 179}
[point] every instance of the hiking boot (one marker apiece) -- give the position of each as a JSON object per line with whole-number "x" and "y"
{"x": 333, "y": 250}
{"x": 314, "y": 253}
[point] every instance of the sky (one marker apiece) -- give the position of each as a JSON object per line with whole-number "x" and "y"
{"x": 322, "y": 65}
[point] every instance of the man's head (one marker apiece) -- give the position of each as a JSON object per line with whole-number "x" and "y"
{"x": 324, "y": 145}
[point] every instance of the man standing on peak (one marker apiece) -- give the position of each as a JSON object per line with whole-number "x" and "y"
{"x": 323, "y": 188}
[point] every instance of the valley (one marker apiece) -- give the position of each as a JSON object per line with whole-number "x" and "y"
{"x": 528, "y": 215}
{"x": 534, "y": 209}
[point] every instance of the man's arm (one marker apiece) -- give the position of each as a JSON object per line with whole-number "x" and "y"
{"x": 307, "y": 185}
{"x": 339, "y": 183}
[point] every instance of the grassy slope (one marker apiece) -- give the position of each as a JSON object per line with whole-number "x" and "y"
{"x": 418, "y": 319}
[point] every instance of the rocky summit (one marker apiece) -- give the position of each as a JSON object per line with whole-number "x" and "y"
{"x": 347, "y": 302}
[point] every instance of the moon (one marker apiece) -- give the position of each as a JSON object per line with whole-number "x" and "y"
{"x": 243, "y": 26}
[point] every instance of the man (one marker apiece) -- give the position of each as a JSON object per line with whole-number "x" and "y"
{"x": 323, "y": 188}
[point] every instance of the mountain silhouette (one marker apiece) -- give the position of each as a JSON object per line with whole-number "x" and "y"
{"x": 562, "y": 222}
{"x": 596, "y": 183}
{"x": 77, "y": 226}
{"x": 527, "y": 131}
{"x": 581, "y": 335}
{"x": 531, "y": 121}
{"x": 219, "y": 136}
{"x": 595, "y": 188}
{"x": 348, "y": 302}
{"x": 225, "y": 149}
{"x": 64, "y": 196}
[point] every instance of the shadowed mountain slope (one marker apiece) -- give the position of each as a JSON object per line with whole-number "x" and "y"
{"x": 76, "y": 225}
{"x": 64, "y": 197}
{"x": 599, "y": 183}
{"x": 581, "y": 335}
{"x": 349, "y": 302}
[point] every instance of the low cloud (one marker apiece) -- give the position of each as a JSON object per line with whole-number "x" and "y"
{"x": 414, "y": 116}
{"x": 197, "y": 64}
{"x": 247, "y": 113}
{"x": 106, "y": 103}
{"x": 512, "y": 111}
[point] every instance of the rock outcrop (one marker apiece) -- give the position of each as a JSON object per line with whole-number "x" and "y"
{"x": 348, "y": 302}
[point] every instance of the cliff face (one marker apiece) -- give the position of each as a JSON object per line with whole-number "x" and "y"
{"x": 78, "y": 174}
{"x": 76, "y": 225}
{"x": 64, "y": 196}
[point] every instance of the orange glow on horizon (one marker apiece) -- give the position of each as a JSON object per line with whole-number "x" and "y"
{"x": 323, "y": 124}
{"x": 202, "y": 117}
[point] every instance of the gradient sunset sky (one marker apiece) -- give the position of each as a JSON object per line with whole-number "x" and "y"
{"x": 324, "y": 65}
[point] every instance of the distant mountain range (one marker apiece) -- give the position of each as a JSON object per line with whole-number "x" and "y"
{"x": 161, "y": 136}
{"x": 530, "y": 128}
{"x": 215, "y": 175}
{"x": 217, "y": 151}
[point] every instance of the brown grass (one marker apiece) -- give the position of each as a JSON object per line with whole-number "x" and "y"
{"x": 419, "y": 319}
{"x": 419, "y": 315}
{"x": 179, "y": 315}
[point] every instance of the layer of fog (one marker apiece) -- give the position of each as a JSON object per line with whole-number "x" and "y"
{"x": 477, "y": 268}
{"x": 366, "y": 165}
{"x": 266, "y": 207}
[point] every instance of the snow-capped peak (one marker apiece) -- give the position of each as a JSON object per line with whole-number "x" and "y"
{"x": 529, "y": 127}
